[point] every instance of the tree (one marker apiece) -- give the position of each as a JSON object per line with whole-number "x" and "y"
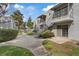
{"x": 30, "y": 23}
{"x": 3, "y": 7}
{"x": 18, "y": 17}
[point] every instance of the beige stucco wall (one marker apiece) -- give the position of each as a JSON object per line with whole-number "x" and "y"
{"x": 74, "y": 28}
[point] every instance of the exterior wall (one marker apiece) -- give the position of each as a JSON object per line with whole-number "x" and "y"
{"x": 37, "y": 27}
{"x": 38, "y": 24}
{"x": 7, "y": 22}
{"x": 74, "y": 28}
{"x": 49, "y": 18}
{"x": 55, "y": 30}
{"x": 73, "y": 31}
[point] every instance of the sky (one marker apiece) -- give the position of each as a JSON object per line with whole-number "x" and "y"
{"x": 32, "y": 10}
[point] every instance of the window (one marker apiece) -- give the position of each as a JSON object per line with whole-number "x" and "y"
{"x": 49, "y": 14}
{"x": 41, "y": 26}
{"x": 61, "y": 12}
{"x": 66, "y": 10}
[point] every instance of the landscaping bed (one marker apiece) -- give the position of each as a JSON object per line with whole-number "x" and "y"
{"x": 70, "y": 48}
{"x": 14, "y": 51}
{"x": 46, "y": 34}
{"x": 30, "y": 33}
{"x": 7, "y": 34}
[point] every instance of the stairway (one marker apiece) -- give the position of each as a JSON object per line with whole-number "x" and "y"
{"x": 40, "y": 51}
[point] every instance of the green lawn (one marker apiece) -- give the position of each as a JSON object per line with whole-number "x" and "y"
{"x": 14, "y": 51}
{"x": 66, "y": 49}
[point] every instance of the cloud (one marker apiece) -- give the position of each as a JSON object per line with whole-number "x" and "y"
{"x": 30, "y": 8}
{"x": 17, "y": 6}
{"x": 47, "y": 8}
{"x": 24, "y": 19}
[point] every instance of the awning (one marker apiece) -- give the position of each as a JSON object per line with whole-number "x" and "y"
{"x": 64, "y": 21}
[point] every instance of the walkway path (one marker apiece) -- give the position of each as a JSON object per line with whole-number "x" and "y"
{"x": 29, "y": 42}
{"x": 60, "y": 40}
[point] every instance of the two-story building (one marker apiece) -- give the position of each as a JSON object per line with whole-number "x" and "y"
{"x": 6, "y": 22}
{"x": 39, "y": 24}
{"x": 64, "y": 21}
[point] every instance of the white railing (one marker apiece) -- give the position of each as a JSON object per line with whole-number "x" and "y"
{"x": 62, "y": 18}
{"x": 50, "y": 20}
{"x": 69, "y": 16}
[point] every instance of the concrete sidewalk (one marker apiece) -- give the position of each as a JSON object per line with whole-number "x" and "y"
{"x": 59, "y": 40}
{"x": 29, "y": 42}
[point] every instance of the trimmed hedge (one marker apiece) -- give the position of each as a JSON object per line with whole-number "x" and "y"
{"x": 7, "y": 34}
{"x": 46, "y": 34}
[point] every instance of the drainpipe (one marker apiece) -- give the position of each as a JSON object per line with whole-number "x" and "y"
{"x": 68, "y": 9}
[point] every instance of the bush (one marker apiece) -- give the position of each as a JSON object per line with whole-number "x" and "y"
{"x": 30, "y": 33}
{"x": 48, "y": 47}
{"x": 46, "y": 34}
{"x": 48, "y": 44}
{"x": 7, "y": 34}
{"x": 45, "y": 42}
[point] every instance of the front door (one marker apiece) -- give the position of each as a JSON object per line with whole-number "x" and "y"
{"x": 65, "y": 30}
{"x": 62, "y": 30}
{"x": 59, "y": 31}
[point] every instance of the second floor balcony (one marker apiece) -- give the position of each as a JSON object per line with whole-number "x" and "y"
{"x": 62, "y": 13}
{"x": 62, "y": 18}
{"x": 66, "y": 16}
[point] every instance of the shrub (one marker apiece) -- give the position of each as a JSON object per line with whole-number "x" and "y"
{"x": 7, "y": 34}
{"x": 45, "y": 42}
{"x": 46, "y": 34}
{"x": 48, "y": 44}
{"x": 48, "y": 47}
{"x": 30, "y": 33}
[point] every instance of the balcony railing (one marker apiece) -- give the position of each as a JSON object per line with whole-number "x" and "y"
{"x": 62, "y": 18}
{"x": 68, "y": 17}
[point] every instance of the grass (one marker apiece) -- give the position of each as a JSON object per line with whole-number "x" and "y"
{"x": 65, "y": 49}
{"x": 20, "y": 33}
{"x": 14, "y": 51}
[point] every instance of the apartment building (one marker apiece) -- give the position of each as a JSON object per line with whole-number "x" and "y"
{"x": 40, "y": 23}
{"x": 6, "y": 22}
{"x": 64, "y": 21}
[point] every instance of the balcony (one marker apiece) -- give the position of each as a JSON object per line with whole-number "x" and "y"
{"x": 62, "y": 19}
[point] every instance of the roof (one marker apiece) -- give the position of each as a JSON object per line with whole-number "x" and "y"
{"x": 58, "y": 5}
{"x": 42, "y": 16}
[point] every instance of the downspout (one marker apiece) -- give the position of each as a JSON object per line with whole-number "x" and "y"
{"x": 68, "y": 9}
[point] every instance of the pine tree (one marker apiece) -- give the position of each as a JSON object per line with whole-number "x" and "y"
{"x": 30, "y": 23}
{"x": 18, "y": 17}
